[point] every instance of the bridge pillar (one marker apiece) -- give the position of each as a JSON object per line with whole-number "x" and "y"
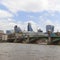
{"x": 28, "y": 38}
{"x": 49, "y": 40}
{"x": 49, "y": 37}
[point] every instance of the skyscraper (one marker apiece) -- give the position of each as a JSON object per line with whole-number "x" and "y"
{"x": 9, "y": 31}
{"x": 17, "y": 29}
{"x": 29, "y": 28}
{"x": 49, "y": 28}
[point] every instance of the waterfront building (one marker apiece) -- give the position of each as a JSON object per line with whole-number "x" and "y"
{"x": 29, "y": 28}
{"x": 4, "y": 37}
{"x": 1, "y": 31}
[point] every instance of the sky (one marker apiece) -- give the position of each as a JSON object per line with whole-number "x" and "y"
{"x": 38, "y": 12}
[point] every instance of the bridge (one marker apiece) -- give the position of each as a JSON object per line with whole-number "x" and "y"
{"x": 52, "y": 39}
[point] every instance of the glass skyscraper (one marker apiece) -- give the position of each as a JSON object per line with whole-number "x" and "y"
{"x": 29, "y": 28}
{"x": 49, "y": 28}
{"x": 17, "y": 29}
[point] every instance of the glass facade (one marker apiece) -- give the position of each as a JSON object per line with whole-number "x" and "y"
{"x": 17, "y": 29}
{"x": 50, "y": 28}
{"x": 29, "y": 28}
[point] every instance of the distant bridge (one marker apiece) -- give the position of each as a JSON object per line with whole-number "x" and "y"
{"x": 34, "y": 38}
{"x": 54, "y": 39}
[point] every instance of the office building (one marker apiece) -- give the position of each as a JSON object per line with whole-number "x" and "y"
{"x": 1, "y": 31}
{"x": 29, "y": 28}
{"x": 50, "y": 28}
{"x": 17, "y": 29}
{"x": 9, "y": 31}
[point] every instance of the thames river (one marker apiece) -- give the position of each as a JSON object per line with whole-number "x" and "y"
{"x": 17, "y": 51}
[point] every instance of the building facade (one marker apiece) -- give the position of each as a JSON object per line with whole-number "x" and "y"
{"x": 50, "y": 28}
{"x": 9, "y": 31}
{"x": 17, "y": 29}
{"x": 29, "y": 28}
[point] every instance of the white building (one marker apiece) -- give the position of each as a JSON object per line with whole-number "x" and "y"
{"x": 4, "y": 37}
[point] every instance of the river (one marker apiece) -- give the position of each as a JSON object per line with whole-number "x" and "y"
{"x": 17, "y": 51}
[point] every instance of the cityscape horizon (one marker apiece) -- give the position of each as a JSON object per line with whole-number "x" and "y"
{"x": 29, "y": 29}
{"x": 38, "y": 13}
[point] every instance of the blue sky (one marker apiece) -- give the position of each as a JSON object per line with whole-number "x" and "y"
{"x": 38, "y": 12}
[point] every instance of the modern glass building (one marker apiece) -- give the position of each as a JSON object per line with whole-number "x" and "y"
{"x": 9, "y": 31}
{"x": 49, "y": 28}
{"x": 29, "y": 28}
{"x": 17, "y": 29}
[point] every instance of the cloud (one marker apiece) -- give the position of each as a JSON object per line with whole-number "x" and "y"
{"x": 31, "y": 5}
{"x": 5, "y": 14}
{"x": 6, "y": 25}
{"x": 7, "y": 22}
{"x": 47, "y": 21}
{"x": 34, "y": 25}
{"x": 23, "y": 25}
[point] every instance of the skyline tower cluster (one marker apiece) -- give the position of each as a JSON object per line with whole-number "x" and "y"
{"x": 17, "y": 29}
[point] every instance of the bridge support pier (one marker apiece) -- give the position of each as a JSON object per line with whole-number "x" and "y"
{"x": 49, "y": 40}
{"x": 49, "y": 37}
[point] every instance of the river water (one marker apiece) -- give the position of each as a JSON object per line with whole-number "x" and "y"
{"x": 17, "y": 51}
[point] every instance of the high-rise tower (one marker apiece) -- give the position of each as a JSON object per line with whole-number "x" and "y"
{"x": 49, "y": 28}
{"x": 17, "y": 29}
{"x": 29, "y": 28}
